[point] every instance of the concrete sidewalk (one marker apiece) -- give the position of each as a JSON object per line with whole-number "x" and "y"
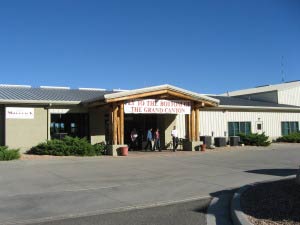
{"x": 41, "y": 190}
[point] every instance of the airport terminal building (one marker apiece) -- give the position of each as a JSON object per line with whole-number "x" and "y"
{"x": 31, "y": 115}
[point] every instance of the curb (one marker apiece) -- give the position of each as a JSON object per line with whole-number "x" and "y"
{"x": 218, "y": 212}
{"x": 237, "y": 215}
{"x": 210, "y": 218}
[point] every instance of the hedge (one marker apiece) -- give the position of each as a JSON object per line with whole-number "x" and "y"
{"x": 68, "y": 146}
{"x": 255, "y": 139}
{"x": 293, "y": 138}
{"x": 8, "y": 154}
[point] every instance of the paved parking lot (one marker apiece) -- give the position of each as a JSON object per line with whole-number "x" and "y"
{"x": 184, "y": 213}
{"x": 41, "y": 190}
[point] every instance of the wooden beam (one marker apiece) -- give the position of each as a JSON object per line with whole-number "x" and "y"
{"x": 122, "y": 122}
{"x": 187, "y": 97}
{"x": 136, "y": 96}
{"x": 161, "y": 92}
{"x": 197, "y": 121}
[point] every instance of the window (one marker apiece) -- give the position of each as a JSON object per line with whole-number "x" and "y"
{"x": 259, "y": 127}
{"x": 72, "y": 124}
{"x": 235, "y": 128}
{"x": 289, "y": 127}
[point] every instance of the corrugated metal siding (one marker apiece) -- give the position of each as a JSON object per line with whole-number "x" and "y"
{"x": 289, "y": 96}
{"x": 217, "y": 121}
{"x": 180, "y": 125}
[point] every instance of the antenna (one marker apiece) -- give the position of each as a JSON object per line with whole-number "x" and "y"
{"x": 282, "y": 70}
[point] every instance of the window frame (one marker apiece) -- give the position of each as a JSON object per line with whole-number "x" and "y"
{"x": 239, "y": 127}
{"x": 289, "y": 127}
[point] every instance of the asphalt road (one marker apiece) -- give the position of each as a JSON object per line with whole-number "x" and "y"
{"x": 187, "y": 213}
{"x": 53, "y": 189}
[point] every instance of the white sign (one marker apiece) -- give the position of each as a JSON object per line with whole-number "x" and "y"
{"x": 19, "y": 113}
{"x": 59, "y": 111}
{"x": 158, "y": 106}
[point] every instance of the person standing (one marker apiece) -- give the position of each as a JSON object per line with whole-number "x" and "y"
{"x": 156, "y": 140}
{"x": 174, "y": 135}
{"x": 149, "y": 139}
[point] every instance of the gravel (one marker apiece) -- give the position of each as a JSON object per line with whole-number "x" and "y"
{"x": 274, "y": 203}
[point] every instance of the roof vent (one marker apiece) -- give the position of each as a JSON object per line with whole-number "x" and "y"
{"x": 92, "y": 89}
{"x": 119, "y": 90}
{"x": 55, "y": 87}
{"x": 15, "y": 85}
{"x": 262, "y": 85}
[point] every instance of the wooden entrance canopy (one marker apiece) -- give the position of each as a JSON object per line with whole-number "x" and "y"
{"x": 116, "y": 101}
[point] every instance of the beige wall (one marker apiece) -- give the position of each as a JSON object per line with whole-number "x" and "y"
{"x": 97, "y": 126}
{"x": 169, "y": 122}
{"x": 2, "y": 124}
{"x": 25, "y": 133}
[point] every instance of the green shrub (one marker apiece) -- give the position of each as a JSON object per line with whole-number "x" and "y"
{"x": 100, "y": 148}
{"x": 8, "y": 154}
{"x": 68, "y": 146}
{"x": 293, "y": 138}
{"x": 255, "y": 139}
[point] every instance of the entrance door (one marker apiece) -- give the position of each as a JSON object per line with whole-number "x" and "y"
{"x": 142, "y": 123}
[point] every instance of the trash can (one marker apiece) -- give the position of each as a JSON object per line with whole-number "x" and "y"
{"x": 124, "y": 151}
{"x": 203, "y": 147}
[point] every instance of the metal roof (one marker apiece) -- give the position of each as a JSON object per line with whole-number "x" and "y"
{"x": 264, "y": 88}
{"x": 15, "y": 94}
{"x": 9, "y": 94}
{"x": 161, "y": 87}
{"x": 235, "y": 101}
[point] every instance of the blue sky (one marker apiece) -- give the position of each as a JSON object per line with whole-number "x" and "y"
{"x": 204, "y": 46}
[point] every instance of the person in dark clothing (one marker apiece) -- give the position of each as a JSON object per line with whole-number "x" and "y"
{"x": 156, "y": 140}
{"x": 133, "y": 138}
{"x": 149, "y": 140}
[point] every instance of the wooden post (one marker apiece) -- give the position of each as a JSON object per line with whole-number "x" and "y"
{"x": 187, "y": 126}
{"x": 118, "y": 128}
{"x": 193, "y": 124}
{"x": 115, "y": 120}
{"x": 122, "y": 123}
{"x": 190, "y": 126}
{"x": 111, "y": 118}
{"x": 197, "y": 118}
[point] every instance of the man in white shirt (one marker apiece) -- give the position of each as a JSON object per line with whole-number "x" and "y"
{"x": 175, "y": 138}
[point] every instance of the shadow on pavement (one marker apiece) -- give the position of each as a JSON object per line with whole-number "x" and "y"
{"x": 275, "y": 172}
{"x": 219, "y": 211}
